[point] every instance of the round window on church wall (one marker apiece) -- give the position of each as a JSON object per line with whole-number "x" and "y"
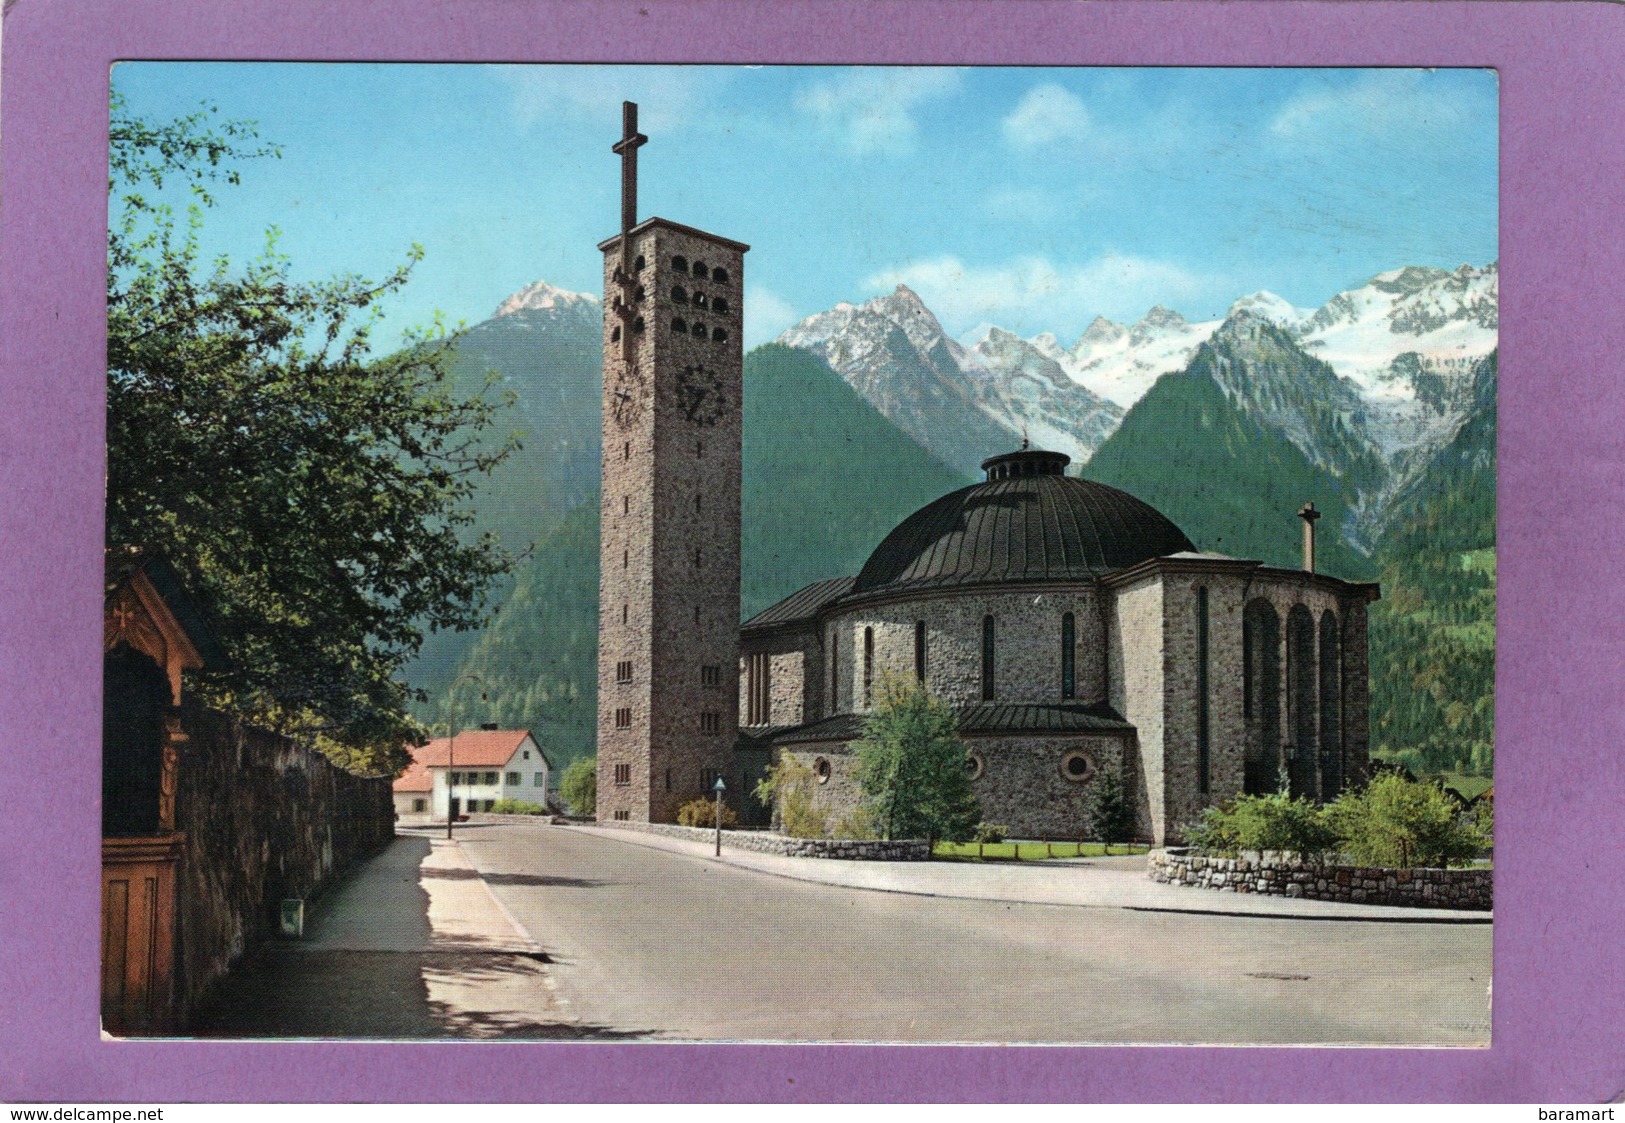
{"x": 1077, "y": 766}
{"x": 974, "y": 763}
{"x": 821, "y": 769}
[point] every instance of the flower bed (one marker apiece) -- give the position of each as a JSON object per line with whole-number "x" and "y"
{"x": 1284, "y": 874}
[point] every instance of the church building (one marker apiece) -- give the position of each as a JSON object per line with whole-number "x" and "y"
{"x": 1076, "y": 629}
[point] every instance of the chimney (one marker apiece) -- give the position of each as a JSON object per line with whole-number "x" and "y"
{"x": 1308, "y": 514}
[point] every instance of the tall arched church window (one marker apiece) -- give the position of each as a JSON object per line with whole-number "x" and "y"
{"x": 1302, "y": 723}
{"x": 987, "y": 658}
{"x": 919, "y": 650}
{"x": 868, "y": 667}
{"x": 1261, "y": 683}
{"x": 1331, "y": 708}
{"x": 1069, "y": 667}
{"x": 1202, "y": 716}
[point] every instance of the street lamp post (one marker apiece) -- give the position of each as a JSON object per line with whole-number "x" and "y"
{"x": 719, "y": 787}
{"x": 451, "y": 744}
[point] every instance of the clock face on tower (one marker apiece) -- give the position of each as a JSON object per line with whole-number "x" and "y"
{"x": 626, "y": 395}
{"x": 700, "y": 395}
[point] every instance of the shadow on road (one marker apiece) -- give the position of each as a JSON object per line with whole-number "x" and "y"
{"x": 516, "y": 878}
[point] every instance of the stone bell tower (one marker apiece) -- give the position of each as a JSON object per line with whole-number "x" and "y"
{"x": 668, "y": 593}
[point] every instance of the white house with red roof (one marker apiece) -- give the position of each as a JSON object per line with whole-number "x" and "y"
{"x": 474, "y": 770}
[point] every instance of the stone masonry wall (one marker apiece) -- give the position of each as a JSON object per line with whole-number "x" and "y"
{"x": 264, "y": 819}
{"x": 1134, "y": 675}
{"x": 762, "y": 842}
{"x": 1289, "y": 875}
{"x": 795, "y": 675}
{"x": 1027, "y": 644}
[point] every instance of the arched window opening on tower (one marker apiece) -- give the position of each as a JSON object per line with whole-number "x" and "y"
{"x": 987, "y": 658}
{"x": 680, "y": 263}
{"x": 1301, "y": 701}
{"x": 868, "y": 667}
{"x": 699, "y": 329}
{"x": 919, "y": 650}
{"x": 720, "y": 276}
{"x": 700, "y": 270}
{"x": 679, "y": 325}
{"x": 638, "y": 296}
{"x": 719, "y": 335}
{"x": 720, "y": 306}
{"x": 637, "y": 325}
{"x": 1069, "y": 628}
{"x": 679, "y": 294}
{"x": 700, "y": 301}
{"x": 638, "y": 263}
{"x": 615, "y": 334}
{"x": 1261, "y": 695}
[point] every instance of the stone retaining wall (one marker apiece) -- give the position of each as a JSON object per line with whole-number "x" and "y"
{"x": 765, "y": 842}
{"x": 1289, "y": 875}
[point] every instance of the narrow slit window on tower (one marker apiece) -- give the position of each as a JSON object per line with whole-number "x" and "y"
{"x": 615, "y": 334}
{"x": 626, "y": 559}
{"x": 696, "y": 557}
{"x": 919, "y": 650}
{"x": 626, "y": 451}
{"x": 626, "y": 504}
{"x": 668, "y": 779}
{"x": 719, "y": 335}
{"x": 1069, "y": 627}
{"x": 680, "y": 263}
{"x": 623, "y": 671}
{"x": 696, "y": 504}
{"x": 624, "y": 609}
{"x": 696, "y": 614}
{"x": 638, "y": 263}
{"x": 638, "y": 296}
{"x": 623, "y": 773}
{"x": 710, "y": 722}
{"x": 623, "y": 717}
{"x": 868, "y": 667}
{"x": 987, "y": 658}
{"x": 720, "y": 276}
{"x": 699, "y": 448}
{"x": 637, "y": 325}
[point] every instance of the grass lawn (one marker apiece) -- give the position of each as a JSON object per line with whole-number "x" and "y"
{"x": 1019, "y": 851}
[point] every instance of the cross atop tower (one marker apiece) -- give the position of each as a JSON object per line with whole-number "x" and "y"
{"x": 1308, "y": 514}
{"x": 627, "y": 149}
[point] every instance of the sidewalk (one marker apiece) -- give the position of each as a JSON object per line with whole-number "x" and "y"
{"x": 411, "y": 944}
{"x": 1086, "y": 883}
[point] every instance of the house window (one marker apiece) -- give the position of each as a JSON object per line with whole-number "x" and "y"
{"x": 919, "y": 650}
{"x": 710, "y": 722}
{"x": 525, "y": 755}
{"x": 540, "y": 780}
{"x": 513, "y": 780}
{"x": 456, "y": 778}
{"x": 490, "y": 778}
{"x": 987, "y": 658}
{"x": 623, "y": 773}
{"x": 623, "y": 717}
{"x": 1069, "y": 628}
{"x": 623, "y": 671}
{"x": 419, "y": 805}
{"x": 868, "y": 667}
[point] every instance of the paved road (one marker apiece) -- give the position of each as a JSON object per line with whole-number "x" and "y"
{"x": 645, "y": 942}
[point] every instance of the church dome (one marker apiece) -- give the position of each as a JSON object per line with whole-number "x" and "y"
{"x": 1026, "y": 522}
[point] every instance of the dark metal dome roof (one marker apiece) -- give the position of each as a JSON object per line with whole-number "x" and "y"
{"x": 1027, "y": 522}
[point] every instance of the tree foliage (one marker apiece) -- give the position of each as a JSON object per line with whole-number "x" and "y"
{"x": 1399, "y": 822}
{"x": 1111, "y": 815}
{"x": 912, "y": 766}
{"x": 788, "y": 786}
{"x": 1265, "y": 822}
{"x": 702, "y": 812}
{"x": 314, "y": 497}
{"x": 578, "y": 785}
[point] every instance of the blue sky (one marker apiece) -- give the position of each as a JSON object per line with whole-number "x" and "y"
{"x": 1030, "y": 198}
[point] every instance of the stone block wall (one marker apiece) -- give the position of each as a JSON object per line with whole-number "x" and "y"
{"x": 264, "y": 819}
{"x": 1282, "y": 874}
{"x": 1134, "y": 675}
{"x": 763, "y": 842}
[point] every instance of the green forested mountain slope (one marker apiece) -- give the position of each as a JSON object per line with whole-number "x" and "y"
{"x": 1433, "y": 633}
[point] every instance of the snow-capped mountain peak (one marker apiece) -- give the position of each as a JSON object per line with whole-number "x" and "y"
{"x": 542, "y": 296}
{"x": 1270, "y": 306}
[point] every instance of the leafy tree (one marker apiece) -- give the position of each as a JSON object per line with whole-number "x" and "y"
{"x": 1111, "y": 816}
{"x": 579, "y": 785}
{"x": 788, "y": 786}
{"x": 702, "y": 812}
{"x": 314, "y": 497}
{"x": 1398, "y": 822}
{"x": 912, "y": 768}
{"x": 1265, "y": 822}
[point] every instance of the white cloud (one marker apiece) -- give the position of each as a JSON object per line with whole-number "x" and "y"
{"x": 873, "y": 108}
{"x": 667, "y": 97}
{"x": 1388, "y": 103}
{"x": 766, "y": 315}
{"x": 1028, "y": 289}
{"x": 1046, "y": 114}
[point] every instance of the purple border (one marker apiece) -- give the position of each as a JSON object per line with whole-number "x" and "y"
{"x": 1560, "y": 976}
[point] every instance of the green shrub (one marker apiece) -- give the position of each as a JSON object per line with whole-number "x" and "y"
{"x": 1111, "y": 815}
{"x": 703, "y": 813}
{"x": 579, "y": 785}
{"x": 517, "y": 807}
{"x": 1400, "y": 822}
{"x": 860, "y": 824}
{"x": 788, "y": 786}
{"x": 990, "y": 832}
{"x": 1264, "y": 822}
